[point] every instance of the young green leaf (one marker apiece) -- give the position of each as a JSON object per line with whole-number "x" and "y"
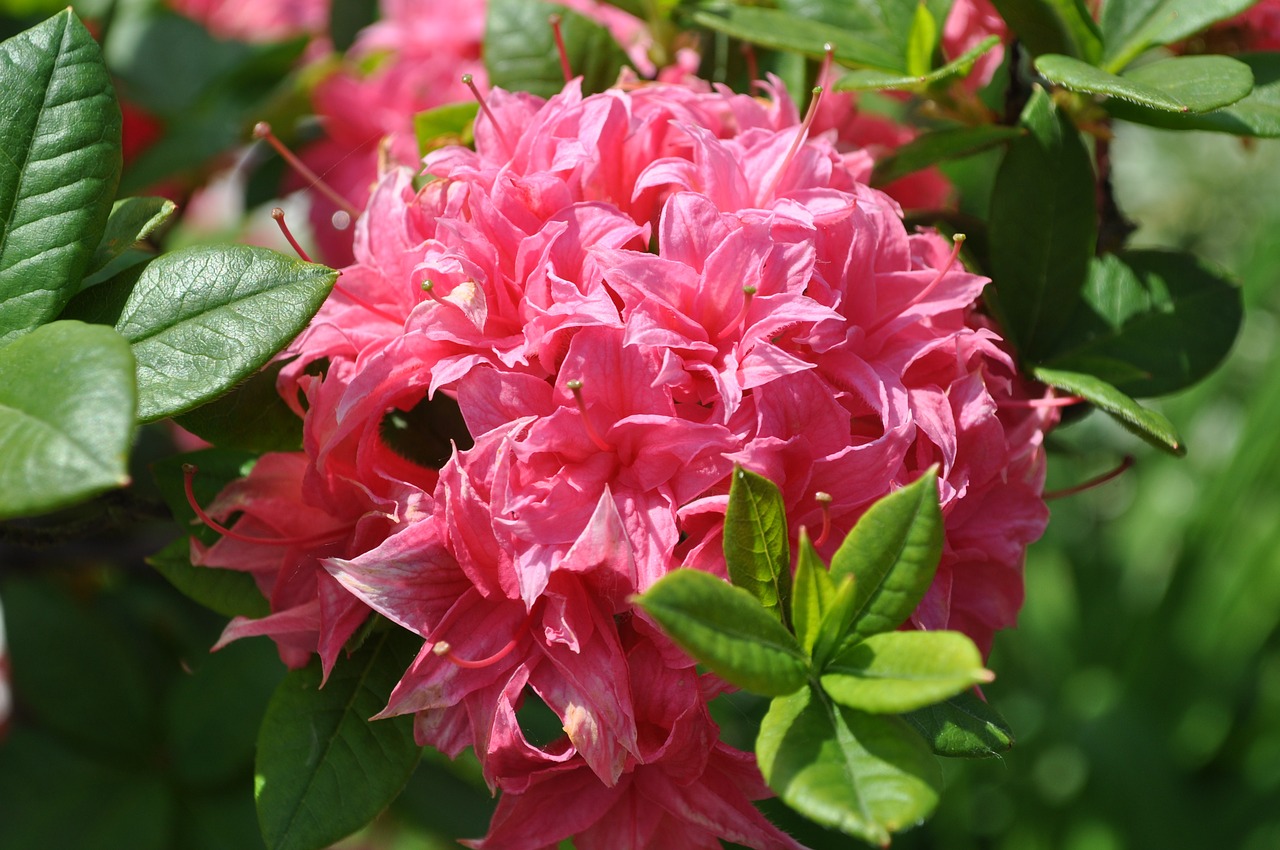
{"x": 520, "y": 51}
{"x": 892, "y": 553}
{"x": 895, "y": 672}
{"x": 67, "y": 404}
{"x": 1180, "y": 84}
{"x": 1043, "y": 228}
{"x": 131, "y": 221}
{"x": 227, "y": 592}
{"x": 323, "y": 768}
{"x": 1154, "y": 322}
{"x": 833, "y": 630}
{"x": 962, "y": 727}
{"x": 1131, "y": 26}
{"x": 1146, "y": 423}
{"x": 811, "y": 594}
{"x": 922, "y": 40}
{"x": 1256, "y": 115}
{"x": 451, "y": 124}
{"x": 725, "y": 628}
{"x": 203, "y": 319}
{"x": 939, "y": 146}
{"x": 60, "y": 133}
{"x": 756, "y": 549}
{"x": 864, "y": 775}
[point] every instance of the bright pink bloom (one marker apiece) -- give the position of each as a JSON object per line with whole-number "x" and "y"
{"x": 258, "y": 20}
{"x": 967, "y": 25}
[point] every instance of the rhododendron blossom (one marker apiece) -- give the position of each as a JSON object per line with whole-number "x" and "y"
{"x": 625, "y": 294}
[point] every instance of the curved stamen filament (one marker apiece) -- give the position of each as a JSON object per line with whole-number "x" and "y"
{"x": 824, "y": 500}
{"x": 958, "y": 243}
{"x": 1051, "y": 401}
{"x": 469, "y": 82}
{"x": 189, "y": 471}
{"x": 565, "y": 67}
{"x": 445, "y": 649}
{"x": 748, "y": 293}
{"x": 575, "y": 387}
{"x": 1092, "y": 482}
{"x": 262, "y": 130}
{"x": 801, "y": 134}
{"x": 278, "y": 214}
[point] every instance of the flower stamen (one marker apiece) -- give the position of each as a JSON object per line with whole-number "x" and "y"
{"x": 444, "y": 649}
{"x": 278, "y": 215}
{"x": 824, "y": 500}
{"x": 469, "y": 82}
{"x": 189, "y": 471}
{"x": 575, "y": 387}
{"x": 1097, "y": 481}
{"x": 262, "y": 130}
{"x": 748, "y": 294}
{"x": 801, "y": 134}
{"x": 565, "y": 67}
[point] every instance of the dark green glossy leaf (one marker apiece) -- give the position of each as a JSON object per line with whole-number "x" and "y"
{"x": 864, "y": 775}
{"x": 1155, "y": 322}
{"x": 131, "y": 221}
{"x": 347, "y": 18}
{"x": 323, "y": 768}
{"x": 1256, "y": 115}
{"x": 60, "y": 133}
{"x": 102, "y": 303}
{"x": 67, "y": 404}
{"x": 203, "y": 319}
{"x": 811, "y": 593}
{"x": 520, "y": 51}
{"x": 1146, "y": 423}
{"x": 1053, "y": 26}
{"x": 451, "y": 124}
{"x": 1180, "y": 84}
{"x": 252, "y": 416}
{"x": 895, "y": 672}
{"x": 963, "y": 727}
{"x": 428, "y": 433}
{"x": 1043, "y": 228}
{"x": 756, "y": 549}
{"x": 1131, "y": 26}
{"x": 892, "y": 553}
{"x": 873, "y": 79}
{"x": 932, "y": 148}
{"x": 725, "y": 628}
{"x": 228, "y": 592}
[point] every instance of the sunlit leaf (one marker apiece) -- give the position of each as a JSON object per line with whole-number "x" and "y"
{"x": 895, "y": 672}
{"x": 756, "y": 549}
{"x": 1131, "y": 26}
{"x": 1256, "y": 115}
{"x": 1180, "y": 84}
{"x": 1148, "y": 424}
{"x": 962, "y": 727}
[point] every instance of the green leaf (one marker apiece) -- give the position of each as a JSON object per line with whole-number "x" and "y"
{"x": 1131, "y": 26}
{"x": 872, "y": 79}
{"x": 962, "y": 727}
{"x": 833, "y": 630}
{"x": 67, "y": 405}
{"x": 131, "y": 221}
{"x": 203, "y": 319}
{"x": 324, "y": 769}
{"x": 1180, "y": 84}
{"x": 520, "y": 51}
{"x": 1146, "y": 423}
{"x": 1256, "y": 115}
{"x": 252, "y": 416}
{"x": 1155, "y": 322}
{"x": 811, "y": 594}
{"x": 921, "y": 41}
{"x": 929, "y": 149}
{"x": 725, "y": 628}
{"x": 864, "y": 775}
{"x": 60, "y": 133}
{"x": 1053, "y": 26}
{"x": 451, "y": 124}
{"x": 1043, "y": 228}
{"x": 756, "y": 550}
{"x": 347, "y": 18}
{"x": 892, "y": 553}
{"x": 227, "y": 592}
{"x": 895, "y": 672}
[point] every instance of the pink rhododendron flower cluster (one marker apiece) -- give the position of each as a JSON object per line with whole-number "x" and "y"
{"x": 624, "y": 294}
{"x": 967, "y": 25}
{"x": 258, "y": 20}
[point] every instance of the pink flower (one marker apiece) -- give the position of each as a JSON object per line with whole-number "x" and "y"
{"x": 258, "y": 20}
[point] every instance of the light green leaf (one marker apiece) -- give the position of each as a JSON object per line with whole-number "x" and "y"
{"x": 520, "y": 51}
{"x": 1256, "y": 115}
{"x": 131, "y": 221}
{"x": 811, "y": 594}
{"x": 872, "y": 79}
{"x": 895, "y": 672}
{"x": 921, "y": 41}
{"x": 324, "y": 769}
{"x": 451, "y": 124}
{"x": 1053, "y": 26}
{"x": 892, "y": 553}
{"x": 1131, "y": 26}
{"x": 1180, "y": 84}
{"x": 725, "y": 628}
{"x": 203, "y": 319}
{"x": 67, "y": 403}
{"x": 1153, "y": 322}
{"x": 60, "y": 137}
{"x": 756, "y": 549}
{"x": 864, "y": 775}
{"x": 833, "y": 630}
{"x": 1043, "y": 228}
{"x": 962, "y": 727}
{"x": 1146, "y": 423}
{"x": 929, "y": 149}
{"x": 227, "y": 592}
